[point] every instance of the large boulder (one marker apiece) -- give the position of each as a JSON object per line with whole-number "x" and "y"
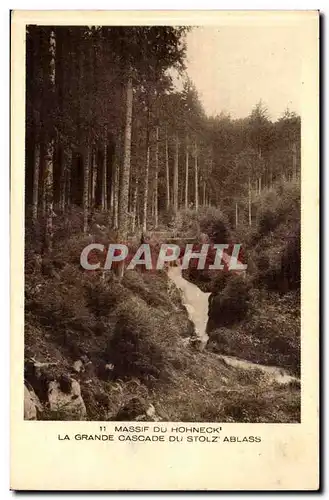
{"x": 31, "y": 404}
{"x": 65, "y": 400}
{"x": 134, "y": 409}
{"x": 137, "y": 409}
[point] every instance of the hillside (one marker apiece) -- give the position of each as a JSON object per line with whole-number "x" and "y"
{"x": 132, "y": 350}
{"x": 116, "y": 153}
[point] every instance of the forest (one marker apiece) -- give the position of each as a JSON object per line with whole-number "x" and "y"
{"x": 117, "y": 151}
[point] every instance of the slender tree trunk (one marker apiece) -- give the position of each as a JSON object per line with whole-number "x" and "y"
{"x": 175, "y": 187}
{"x": 138, "y": 221}
{"x": 90, "y": 178}
{"x": 125, "y": 174}
{"x": 204, "y": 193}
{"x": 249, "y": 201}
{"x": 112, "y": 194}
{"x": 209, "y": 174}
{"x": 146, "y": 183}
{"x": 236, "y": 214}
{"x": 134, "y": 206}
{"x": 67, "y": 195}
{"x": 43, "y": 189}
{"x": 49, "y": 195}
{"x": 66, "y": 168}
{"x": 186, "y": 173}
{"x": 146, "y": 174}
{"x": 104, "y": 174}
{"x": 37, "y": 122}
{"x": 62, "y": 183}
{"x": 152, "y": 204}
{"x": 94, "y": 179}
{"x": 167, "y": 174}
{"x": 112, "y": 189}
{"x": 130, "y": 195}
{"x": 294, "y": 161}
{"x": 86, "y": 170}
{"x": 181, "y": 195}
{"x": 36, "y": 172}
{"x": 116, "y": 181}
{"x": 260, "y": 177}
{"x": 196, "y": 179}
{"x": 156, "y": 215}
{"x": 49, "y": 157}
{"x": 115, "y": 196}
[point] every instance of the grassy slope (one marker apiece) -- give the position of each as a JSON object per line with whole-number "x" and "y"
{"x": 269, "y": 334}
{"x": 139, "y": 326}
{"x": 260, "y": 322}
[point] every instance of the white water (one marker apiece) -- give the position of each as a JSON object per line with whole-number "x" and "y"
{"x": 196, "y": 303}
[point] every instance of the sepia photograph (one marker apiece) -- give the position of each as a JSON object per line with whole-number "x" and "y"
{"x": 164, "y": 211}
{"x": 162, "y": 260}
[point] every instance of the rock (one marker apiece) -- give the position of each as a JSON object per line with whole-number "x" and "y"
{"x": 198, "y": 344}
{"x": 140, "y": 418}
{"x": 105, "y": 371}
{"x": 89, "y": 369}
{"x": 65, "y": 384}
{"x": 204, "y": 238}
{"x": 78, "y": 366}
{"x": 30, "y": 410}
{"x": 185, "y": 341}
{"x": 150, "y": 412}
{"x": 39, "y": 364}
{"x": 36, "y": 369}
{"x": 195, "y": 342}
{"x": 38, "y": 375}
{"x": 68, "y": 405}
{"x": 31, "y": 404}
{"x": 135, "y": 409}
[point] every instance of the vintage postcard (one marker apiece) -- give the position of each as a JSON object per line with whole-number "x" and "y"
{"x": 164, "y": 211}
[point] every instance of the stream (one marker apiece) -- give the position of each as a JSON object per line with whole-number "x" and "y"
{"x": 196, "y": 303}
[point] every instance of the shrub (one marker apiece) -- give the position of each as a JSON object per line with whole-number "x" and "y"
{"x": 213, "y": 223}
{"x": 269, "y": 334}
{"x": 168, "y": 217}
{"x": 208, "y": 220}
{"x": 279, "y": 206}
{"x": 252, "y": 405}
{"x": 104, "y": 295}
{"x": 277, "y": 259}
{"x": 69, "y": 250}
{"x": 203, "y": 278}
{"x": 291, "y": 260}
{"x": 221, "y": 280}
{"x": 274, "y": 243}
{"x": 187, "y": 222}
{"x": 150, "y": 287}
{"x": 133, "y": 348}
{"x": 231, "y": 304}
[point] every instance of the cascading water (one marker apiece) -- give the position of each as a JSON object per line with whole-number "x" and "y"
{"x": 197, "y": 302}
